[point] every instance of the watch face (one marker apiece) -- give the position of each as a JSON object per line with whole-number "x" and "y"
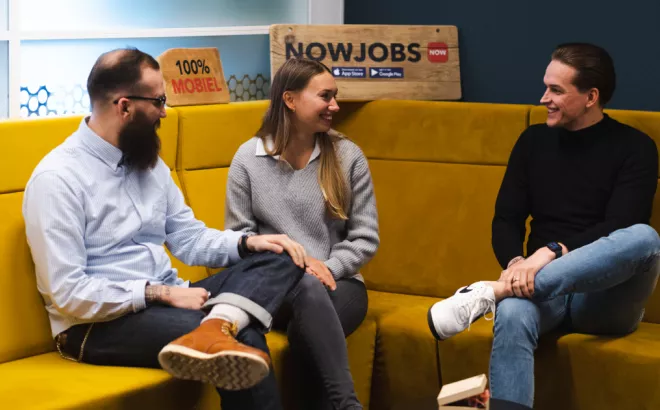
{"x": 554, "y": 246}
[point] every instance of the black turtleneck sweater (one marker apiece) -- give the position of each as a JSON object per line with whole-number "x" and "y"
{"x": 577, "y": 186}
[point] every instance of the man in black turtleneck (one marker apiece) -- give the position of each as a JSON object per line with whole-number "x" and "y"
{"x": 588, "y": 183}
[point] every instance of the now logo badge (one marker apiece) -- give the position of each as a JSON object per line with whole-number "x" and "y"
{"x": 438, "y": 52}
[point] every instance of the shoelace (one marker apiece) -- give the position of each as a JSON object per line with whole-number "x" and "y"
{"x": 230, "y": 329}
{"x": 470, "y": 308}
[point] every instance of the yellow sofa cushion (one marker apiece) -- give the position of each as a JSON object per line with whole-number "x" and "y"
{"x": 627, "y": 368}
{"x": 49, "y": 382}
{"x": 24, "y": 325}
{"x": 191, "y": 273}
{"x": 25, "y": 142}
{"x": 413, "y": 136}
{"x": 435, "y": 222}
{"x": 647, "y": 122}
{"x": 467, "y": 133}
{"x": 205, "y": 193}
{"x": 572, "y": 371}
{"x": 205, "y": 190}
{"x": 405, "y": 373}
{"x": 211, "y": 134}
{"x": 18, "y": 158}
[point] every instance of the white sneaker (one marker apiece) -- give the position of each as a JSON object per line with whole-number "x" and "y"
{"x": 455, "y": 314}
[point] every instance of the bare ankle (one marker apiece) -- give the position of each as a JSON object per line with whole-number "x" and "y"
{"x": 499, "y": 289}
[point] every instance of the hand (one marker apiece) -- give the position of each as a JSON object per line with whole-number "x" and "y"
{"x": 507, "y": 275}
{"x": 522, "y": 274}
{"x": 184, "y": 298}
{"x": 278, "y": 244}
{"x": 320, "y": 270}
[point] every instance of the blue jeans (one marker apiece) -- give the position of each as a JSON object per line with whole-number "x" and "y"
{"x": 257, "y": 284}
{"x": 598, "y": 289}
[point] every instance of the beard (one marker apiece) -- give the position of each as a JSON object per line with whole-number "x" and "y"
{"x": 139, "y": 143}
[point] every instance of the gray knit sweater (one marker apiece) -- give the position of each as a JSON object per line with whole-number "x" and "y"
{"x": 266, "y": 195}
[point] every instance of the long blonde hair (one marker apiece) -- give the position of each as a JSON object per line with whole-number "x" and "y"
{"x": 294, "y": 75}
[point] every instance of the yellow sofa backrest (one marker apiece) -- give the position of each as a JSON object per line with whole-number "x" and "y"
{"x": 436, "y": 168}
{"x": 649, "y": 123}
{"x": 24, "y": 323}
{"x": 209, "y": 137}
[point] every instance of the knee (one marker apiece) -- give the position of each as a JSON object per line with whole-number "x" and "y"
{"x": 311, "y": 290}
{"x": 352, "y": 317}
{"x": 516, "y": 317}
{"x": 282, "y": 262}
{"x": 273, "y": 257}
{"x": 311, "y": 286}
{"x": 645, "y": 238}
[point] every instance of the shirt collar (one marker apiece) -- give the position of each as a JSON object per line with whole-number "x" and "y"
{"x": 105, "y": 151}
{"x": 262, "y": 152}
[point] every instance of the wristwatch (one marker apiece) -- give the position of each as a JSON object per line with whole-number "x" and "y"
{"x": 243, "y": 249}
{"x": 556, "y": 248}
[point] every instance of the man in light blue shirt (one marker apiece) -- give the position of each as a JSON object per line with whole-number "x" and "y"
{"x": 98, "y": 210}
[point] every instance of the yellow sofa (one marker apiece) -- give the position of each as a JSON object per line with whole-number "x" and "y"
{"x": 436, "y": 168}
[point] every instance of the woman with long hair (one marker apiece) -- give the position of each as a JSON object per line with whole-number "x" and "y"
{"x": 301, "y": 178}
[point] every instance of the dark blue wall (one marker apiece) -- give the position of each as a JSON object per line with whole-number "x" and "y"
{"x": 505, "y": 45}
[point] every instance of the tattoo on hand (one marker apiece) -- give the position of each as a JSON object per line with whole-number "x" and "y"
{"x": 154, "y": 293}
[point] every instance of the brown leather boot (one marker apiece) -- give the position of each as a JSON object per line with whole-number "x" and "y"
{"x": 212, "y": 355}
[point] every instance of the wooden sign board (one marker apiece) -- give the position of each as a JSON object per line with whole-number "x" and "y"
{"x": 461, "y": 390}
{"x": 372, "y": 62}
{"x": 193, "y": 76}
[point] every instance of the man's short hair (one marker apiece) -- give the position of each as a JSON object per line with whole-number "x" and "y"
{"x": 594, "y": 66}
{"x": 118, "y": 70}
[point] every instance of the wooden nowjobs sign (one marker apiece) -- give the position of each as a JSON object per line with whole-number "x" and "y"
{"x": 372, "y": 62}
{"x": 193, "y": 76}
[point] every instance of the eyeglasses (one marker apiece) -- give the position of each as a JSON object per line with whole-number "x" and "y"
{"x": 158, "y": 102}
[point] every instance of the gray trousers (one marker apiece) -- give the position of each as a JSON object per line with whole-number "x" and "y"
{"x": 317, "y": 322}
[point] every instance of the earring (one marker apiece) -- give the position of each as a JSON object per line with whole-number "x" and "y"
{"x": 293, "y": 109}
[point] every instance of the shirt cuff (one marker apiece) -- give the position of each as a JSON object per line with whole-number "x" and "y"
{"x": 335, "y": 267}
{"x": 232, "y": 245}
{"x": 139, "y": 302}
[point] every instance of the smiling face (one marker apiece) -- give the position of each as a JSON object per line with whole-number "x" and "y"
{"x": 566, "y": 104}
{"x": 314, "y": 105}
{"x": 570, "y": 105}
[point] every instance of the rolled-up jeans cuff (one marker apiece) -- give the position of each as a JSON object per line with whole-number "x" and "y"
{"x": 258, "y": 312}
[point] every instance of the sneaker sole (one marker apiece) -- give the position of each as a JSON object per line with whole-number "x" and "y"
{"x": 228, "y": 370}
{"x": 429, "y": 318}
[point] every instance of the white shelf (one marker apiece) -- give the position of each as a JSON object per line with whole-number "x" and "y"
{"x": 142, "y": 33}
{"x": 4, "y": 35}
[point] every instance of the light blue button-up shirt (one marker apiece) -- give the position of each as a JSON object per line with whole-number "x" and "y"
{"x": 96, "y": 231}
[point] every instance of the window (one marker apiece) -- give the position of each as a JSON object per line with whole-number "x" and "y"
{"x": 49, "y": 47}
{"x": 4, "y": 59}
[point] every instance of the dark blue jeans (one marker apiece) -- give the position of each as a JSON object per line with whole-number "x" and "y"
{"x": 134, "y": 340}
